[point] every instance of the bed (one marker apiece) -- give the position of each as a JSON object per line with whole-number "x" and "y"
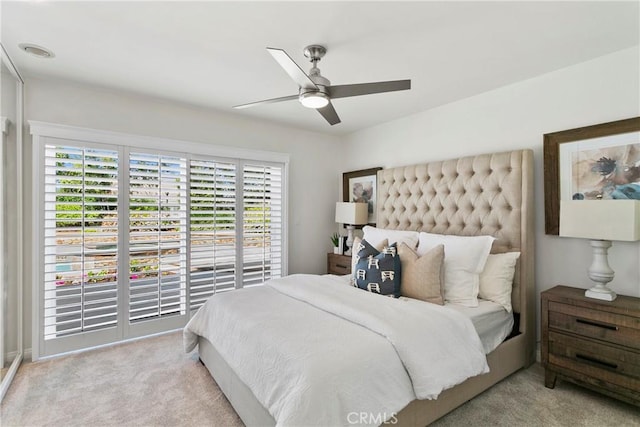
{"x": 490, "y": 194}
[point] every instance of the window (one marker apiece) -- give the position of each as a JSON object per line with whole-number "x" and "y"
{"x": 132, "y": 239}
{"x": 262, "y": 224}
{"x": 213, "y": 229}
{"x": 80, "y": 240}
{"x": 157, "y": 236}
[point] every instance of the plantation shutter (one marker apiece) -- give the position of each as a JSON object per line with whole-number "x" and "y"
{"x": 80, "y": 240}
{"x": 262, "y": 243}
{"x": 157, "y": 236}
{"x": 130, "y": 238}
{"x": 212, "y": 229}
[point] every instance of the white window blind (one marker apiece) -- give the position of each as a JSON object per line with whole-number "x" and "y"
{"x": 213, "y": 229}
{"x": 80, "y": 240}
{"x": 262, "y": 196}
{"x": 157, "y": 236}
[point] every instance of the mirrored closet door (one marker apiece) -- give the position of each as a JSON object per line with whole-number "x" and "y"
{"x": 11, "y": 348}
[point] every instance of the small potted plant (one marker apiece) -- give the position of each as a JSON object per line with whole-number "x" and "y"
{"x": 335, "y": 239}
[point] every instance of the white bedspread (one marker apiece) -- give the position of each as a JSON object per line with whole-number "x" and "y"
{"x": 314, "y": 350}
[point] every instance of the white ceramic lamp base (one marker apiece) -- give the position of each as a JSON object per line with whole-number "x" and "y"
{"x": 600, "y": 272}
{"x": 603, "y": 293}
{"x": 349, "y": 242}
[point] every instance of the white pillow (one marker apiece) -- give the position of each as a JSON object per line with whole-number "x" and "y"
{"x": 375, "y": 236}
{"x": 496, "y": 280}
{"x": 464, "y": 259}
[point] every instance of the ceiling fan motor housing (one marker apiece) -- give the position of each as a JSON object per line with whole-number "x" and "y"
{"x": 320, "y": 93}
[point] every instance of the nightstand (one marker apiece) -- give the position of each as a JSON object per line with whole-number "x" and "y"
{"x": 592, "y": 343}
{"x": 338, "y": 264}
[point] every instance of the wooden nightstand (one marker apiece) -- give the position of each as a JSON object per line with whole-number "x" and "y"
{"x": 338, "y": 264}
{"x": 593, "y": 343}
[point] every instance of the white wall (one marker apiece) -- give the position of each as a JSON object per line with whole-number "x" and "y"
{"x": 517, "y": 117}
{"x": 313, "y": 171}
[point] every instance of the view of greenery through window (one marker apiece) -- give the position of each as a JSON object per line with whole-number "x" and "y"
{"x": 86, "y": 204}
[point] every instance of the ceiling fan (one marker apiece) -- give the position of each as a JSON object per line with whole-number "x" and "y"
{"x": 315, "y": 91}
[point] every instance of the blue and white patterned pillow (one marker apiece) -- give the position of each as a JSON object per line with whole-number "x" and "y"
{"x": 378, "y": 271}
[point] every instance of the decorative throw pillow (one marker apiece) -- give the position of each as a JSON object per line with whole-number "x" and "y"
{"x": 464, "y": 259}
{"x": 496, "y": 280}
{"x": 378, "y": 271}
{"x": 357, "y": 246}
{"x": 422, "y": 276}
{"x": 375, "y": 236}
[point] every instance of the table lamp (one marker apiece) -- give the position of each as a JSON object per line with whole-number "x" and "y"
{"x": 351, "y": 214}
{"x": 601, "y": 221}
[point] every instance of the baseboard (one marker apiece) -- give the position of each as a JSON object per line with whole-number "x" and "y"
{"x": 10, "y": 356}
{"x": 100, "y": 346}
{"x": 26, "y": 356}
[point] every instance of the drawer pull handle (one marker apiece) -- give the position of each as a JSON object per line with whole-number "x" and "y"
{"x": 596, "y": 361}
{"x": 600, "y": 325}
{"x": 342, "y": 266}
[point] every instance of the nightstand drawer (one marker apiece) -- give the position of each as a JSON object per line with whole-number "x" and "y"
{"x": 338, "y": 264}
{"x": 590, "y": 364}
{"x": 612, "y": 364}
{"x": 609, "y": 327}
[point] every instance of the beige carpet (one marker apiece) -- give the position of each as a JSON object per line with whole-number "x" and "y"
{"x": 151, "y": 382}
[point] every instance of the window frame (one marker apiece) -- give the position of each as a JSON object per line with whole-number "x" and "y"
{"x": 44, "y": 133}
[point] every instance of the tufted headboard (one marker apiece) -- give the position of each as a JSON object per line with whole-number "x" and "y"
{"x": 488, "y": 194}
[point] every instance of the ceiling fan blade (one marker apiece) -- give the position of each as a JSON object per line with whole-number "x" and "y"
{"x": 291, "y": 68}
{"x": 344, "y": 91}
{"x": 267, "y": 101}
{"x": 329, "y": 114}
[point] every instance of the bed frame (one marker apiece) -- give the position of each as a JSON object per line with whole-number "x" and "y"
{"x": 489, "y": 194}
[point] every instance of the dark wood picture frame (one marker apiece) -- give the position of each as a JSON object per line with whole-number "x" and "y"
{"x": 347, "y": 176}
{"x": 551, "y": 149}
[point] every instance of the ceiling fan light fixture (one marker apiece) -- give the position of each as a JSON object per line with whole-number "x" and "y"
{"x": 314, "y": 99}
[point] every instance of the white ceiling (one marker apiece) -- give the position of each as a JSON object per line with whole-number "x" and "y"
{"x": 212, "y": 54}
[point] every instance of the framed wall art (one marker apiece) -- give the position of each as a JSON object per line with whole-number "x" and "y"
{"x": 360, "y": 187}
{"x": 599, "y": 162}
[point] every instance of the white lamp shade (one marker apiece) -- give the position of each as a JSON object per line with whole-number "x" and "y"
{"x": 352, "y": 213}
{"x": 601, "y": 219}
